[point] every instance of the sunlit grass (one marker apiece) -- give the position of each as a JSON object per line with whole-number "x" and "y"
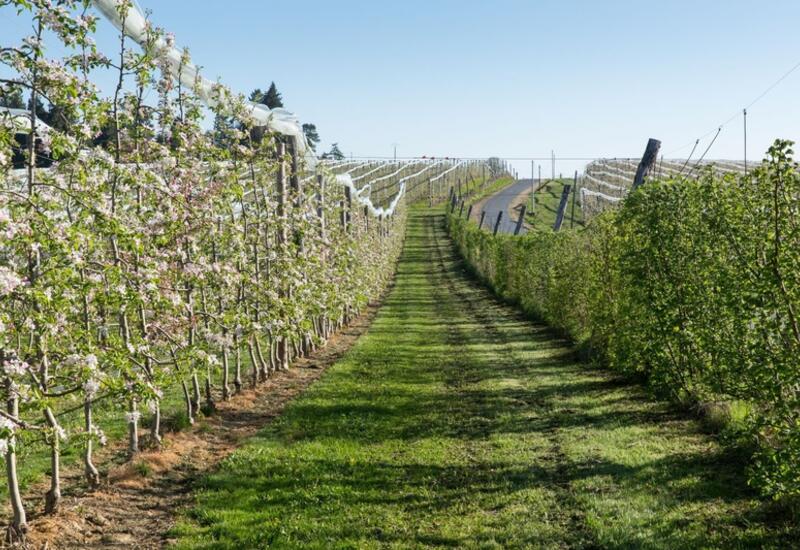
{"x": 456, "y": 423}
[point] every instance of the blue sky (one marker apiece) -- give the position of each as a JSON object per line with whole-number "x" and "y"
{"x": 510, "y": 78}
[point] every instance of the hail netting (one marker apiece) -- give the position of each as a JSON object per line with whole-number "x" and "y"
{"x": 135, "y": 25}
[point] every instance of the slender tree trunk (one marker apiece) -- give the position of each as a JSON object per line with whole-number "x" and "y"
{"x": 19, "y": 523}
{"x": 195, "y": 392}
{"x": 89, "y": 469}
{"x": 133, "y": 428}
{"x": 273, "y": 354}
{"x": 155, "y": 427}
{"x": 254, "y": 363}
{"x": 189, "y": 406}
{"x": 263, "y": 372}
{"x": 210, "y": 405}
{"x": 283, "y": 353}
{"x": 53, "y": 497}
{"x": 226, "y": 390}
{"x": 237, "y": 378}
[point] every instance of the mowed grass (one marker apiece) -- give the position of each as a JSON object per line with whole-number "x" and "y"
{"x": 548, "y": 198}
{"x": 454, "y": 422}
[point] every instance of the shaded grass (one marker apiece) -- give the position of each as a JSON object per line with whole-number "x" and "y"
{"x": 548, "y": 198}
{"x": 454, "y": 422}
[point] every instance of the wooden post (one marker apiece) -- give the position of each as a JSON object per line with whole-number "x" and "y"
{"x": 348, "y": 199}
{"x": 453, "y": 201}
{"x": 461, "y": 210}
{"x": 520, "y": 221}
{"x": 497, "y": 223}
{"x": 469, "y": 211}
{"x": 562, "y": 207}
{"x": 574, "y": 192}
{"x": 648, "y": 161}
{"x": 281, "y": 192}
{"x": 430, "y": 192}
{"x": 283, "y": 352}
{"x": 297, "y": 189}
{"x": 342, "y": 217}
{"x": 321, "y": 205}
{"x": 483, "y": 215}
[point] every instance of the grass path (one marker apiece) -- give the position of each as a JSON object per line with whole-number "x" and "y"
{"x": 454, "y": 422}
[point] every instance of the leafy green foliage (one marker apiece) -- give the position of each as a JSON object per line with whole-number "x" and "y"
{"x": 693, "y": 283}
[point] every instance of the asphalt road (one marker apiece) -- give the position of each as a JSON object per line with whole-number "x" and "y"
{"x": 501, "y": 202}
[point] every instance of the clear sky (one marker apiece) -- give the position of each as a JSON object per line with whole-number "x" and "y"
{"x": 510, "y": 78}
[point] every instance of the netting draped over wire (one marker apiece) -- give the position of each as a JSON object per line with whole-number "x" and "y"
{"x": 136, "y": 26}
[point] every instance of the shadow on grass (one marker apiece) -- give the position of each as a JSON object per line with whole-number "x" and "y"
{"x": 454, "y": 407}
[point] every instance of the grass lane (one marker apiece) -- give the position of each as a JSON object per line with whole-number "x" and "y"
{"x": 547, "y": 200}
{"x": 454, "y": 422}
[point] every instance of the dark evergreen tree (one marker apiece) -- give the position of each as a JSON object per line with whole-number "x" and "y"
{"x": 11, "y": 98}
{"x": 335, "y": 153}
{"x": 272, "y": 98}
{"x": 256, "y": 96}
{"x": 312, "y": 136}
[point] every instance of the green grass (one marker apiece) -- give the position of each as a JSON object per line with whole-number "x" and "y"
{"x": 455, "y": 422}
{"x": 548, "y": 198}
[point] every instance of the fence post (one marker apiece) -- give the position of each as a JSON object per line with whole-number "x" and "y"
{"x": 348, "y": 199}
{"x": 483, "y": 215}
{"x": 648, "y": 161}
{"x": 497, "y": 223}
{"x": 521, "y": 219}
{"x": 562, "y": 207}
{"x": 574, "y": 192}
{"x": 280, "y": 187}
{"x": 321, "y": 205}
{"x": 461, "y": 210}
{"x": 469, "y": 211}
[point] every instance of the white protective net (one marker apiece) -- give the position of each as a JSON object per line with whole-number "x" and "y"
{"x": 136, "y": 26}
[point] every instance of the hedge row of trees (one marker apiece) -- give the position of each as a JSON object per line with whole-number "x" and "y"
{"x": 693, "y": 283}
{"x": 173, "y": 262}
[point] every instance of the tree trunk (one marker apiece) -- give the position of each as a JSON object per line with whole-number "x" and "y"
{"x": 89, "y": 469}
{"x": 237, "y": 378}
{"x": 210, "y": 405}
{"x": 133, "y": 429}
{"x": 254, "y": 362}
{"x": 263, "y": 369}
{"x": 19, "y": 523}
{"x": 226, "y": 390}
{"x": 53, "y": 497}
{"x": 188, "y": 399}
{"x": 195, "y": 392}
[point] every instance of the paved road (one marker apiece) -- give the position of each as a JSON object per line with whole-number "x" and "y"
{"x": 501, "y": 201}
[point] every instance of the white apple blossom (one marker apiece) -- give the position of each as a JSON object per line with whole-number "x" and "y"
{"x": 9, "y": 281}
